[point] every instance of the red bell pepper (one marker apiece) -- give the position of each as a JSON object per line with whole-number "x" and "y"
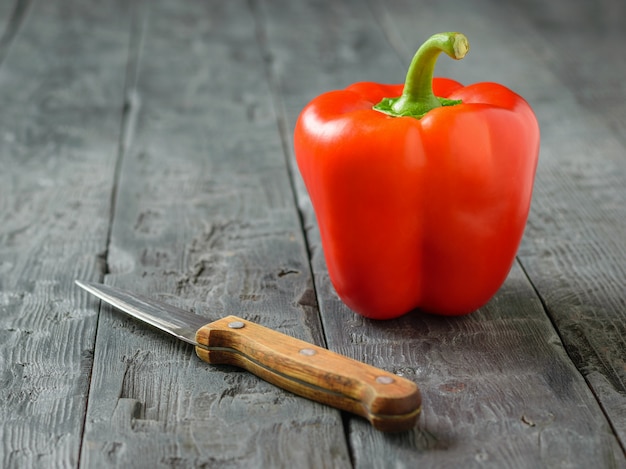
{"x": 421, "y": 199}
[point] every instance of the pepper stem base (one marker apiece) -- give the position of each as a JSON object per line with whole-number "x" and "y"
{"x": 386, "y": 106}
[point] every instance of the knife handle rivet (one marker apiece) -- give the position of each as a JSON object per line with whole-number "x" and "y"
{"x": 384, "y": 379}
{"x": 308, "y": 352}
{"x": 236, "y": 325}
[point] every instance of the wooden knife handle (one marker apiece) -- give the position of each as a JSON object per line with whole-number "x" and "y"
{"x": 389, "y": 402}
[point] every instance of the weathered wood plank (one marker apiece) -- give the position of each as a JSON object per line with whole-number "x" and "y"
{"x": 61, "y": 83}
{"x": 499, "y": 390}
{"x": 12, "y": 14}
{"x": 583, "y": 45}
{"x": 204, "y": 218}
{"x": 575, "y": 250}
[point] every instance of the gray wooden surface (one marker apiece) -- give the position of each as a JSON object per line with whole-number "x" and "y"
{"x": 148, "y": 145}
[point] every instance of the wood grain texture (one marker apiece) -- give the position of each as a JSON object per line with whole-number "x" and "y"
{"x": 575, "y": 252}
{"x": 148, "y": 143}
{"x": 12, "y": 15}
{"x": 583, "y": 45}
{"x": 498, "y": 387}
{"x": 204, "y": 216}
{"x": 58, "y": 144}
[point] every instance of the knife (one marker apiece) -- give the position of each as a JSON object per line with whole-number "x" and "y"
{"x": 389, "y": 402}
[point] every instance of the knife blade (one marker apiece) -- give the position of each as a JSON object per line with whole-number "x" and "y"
{"x": 389, "y": 402}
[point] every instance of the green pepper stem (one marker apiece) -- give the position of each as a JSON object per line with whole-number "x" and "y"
{"x": 417, "y": 96}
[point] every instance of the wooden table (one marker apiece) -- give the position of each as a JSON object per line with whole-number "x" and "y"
{"x": 148, "y": 145}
